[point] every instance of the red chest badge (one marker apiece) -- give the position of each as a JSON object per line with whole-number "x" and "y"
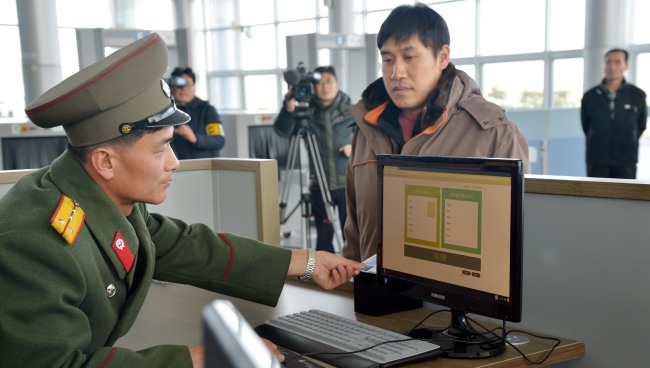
{"x": 123, "y": 251}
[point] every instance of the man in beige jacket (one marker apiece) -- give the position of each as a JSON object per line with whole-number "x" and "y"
{"x": 422, "y": 106}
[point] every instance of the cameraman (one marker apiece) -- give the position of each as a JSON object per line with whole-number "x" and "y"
{"x": 203, "y": 136}
{"x": 331, "y": 122}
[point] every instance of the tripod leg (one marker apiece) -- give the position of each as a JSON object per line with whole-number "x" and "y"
{"x": 304, "y": 201}
{"x": 332, "y": 213}
{"x": 291, "y": 161}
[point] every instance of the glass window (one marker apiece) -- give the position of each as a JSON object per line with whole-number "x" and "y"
{"x": 470, "y": 69}
{"x": 358, "y": 25}
{"x": 225, "y": 93}
{"x": 68, "y": 50}
{"x": 258, "y": 51}
{"x": 567, "y": 25}
{"x": 358, "y": 5}
{"x": 154, "y": 15}
{"x": 83, "y": 14}
{"x": 643, "y": 72}
{"x": 641, "y": 24}
{"x": 220, "y": 13}
{"x": 291, "y": 29}
{"x": 518, "y": 34}
{"x": 12, "y": 100}
{"x": 261, "y": 92}
{"x": 323, "y": 26}
{"x": 255, "y": 11}
{"x": 567, "y": 82}
{"x": 324, "y": 57}
{"x": 221, "y": 52}
{"x": 296, "y": 9}
{"x": 385, "y": 4}
{"x": 8, "y": 15}
{"x": 323, "y": 10}
{"x": 374, "y": 21}
{"x": 459, "y": 17}
{"x": 515, "y": 85}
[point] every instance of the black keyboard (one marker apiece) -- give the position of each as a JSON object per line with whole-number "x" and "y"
{"x": 319, "y": 332}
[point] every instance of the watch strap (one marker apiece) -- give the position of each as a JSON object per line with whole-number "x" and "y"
{"x": 311, "y": 265}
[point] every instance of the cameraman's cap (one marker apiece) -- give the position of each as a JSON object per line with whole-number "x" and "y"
{"x": 110, "y": 98}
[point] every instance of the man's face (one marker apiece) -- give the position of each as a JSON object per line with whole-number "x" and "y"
{"x": 143, "y": 171}
{"x": 411, "y": 72}
{"x": 615, "y": 65}
{"x": 185, "y": 94}
{"x": 326, "y": 89}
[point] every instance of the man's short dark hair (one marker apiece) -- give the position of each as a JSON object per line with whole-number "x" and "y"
{"x": 178, "y": 71}
{"x": 617, "y": 50}
{"x": 407, "y": 20}
{"x": 326, "y": 69}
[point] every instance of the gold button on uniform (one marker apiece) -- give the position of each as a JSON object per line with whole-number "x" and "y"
{"x": 110, "y": 290}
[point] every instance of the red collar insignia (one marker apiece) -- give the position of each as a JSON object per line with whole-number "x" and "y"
{"x": 123, "y": 251}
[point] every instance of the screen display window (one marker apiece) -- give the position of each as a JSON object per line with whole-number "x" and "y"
{"x": 450, "y": 227}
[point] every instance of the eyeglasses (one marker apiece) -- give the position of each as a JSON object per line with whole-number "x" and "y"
{"x": 326, "y": 81}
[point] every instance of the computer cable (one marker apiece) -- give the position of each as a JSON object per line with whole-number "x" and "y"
{"x": 505, "y": 334}
{"x": 494, "y": 337}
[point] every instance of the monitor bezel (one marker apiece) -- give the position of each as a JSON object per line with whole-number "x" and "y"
{"x": 230, "y": 341}
{"x": 453, "y": 296}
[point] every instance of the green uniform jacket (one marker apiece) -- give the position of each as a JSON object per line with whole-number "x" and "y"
{"x": 65, "y": 305}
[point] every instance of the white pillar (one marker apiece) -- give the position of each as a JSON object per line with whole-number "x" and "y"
{"x": 39, "y": 43}
{"x": 606, "y": 27}
{"x": 341, "y": 20}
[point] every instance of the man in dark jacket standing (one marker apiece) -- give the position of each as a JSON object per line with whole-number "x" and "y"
{"x": 203, "y": 136}
{"x": 331, "y": 125}
{"x": 613, "y": 116}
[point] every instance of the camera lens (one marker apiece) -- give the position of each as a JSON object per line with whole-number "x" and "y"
{"x": 303, "y": 91}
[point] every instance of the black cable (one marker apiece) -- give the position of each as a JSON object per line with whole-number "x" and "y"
{"x": 427, "y": 317}
{"x": 349, "y": 352}
{"x": 548, "y": 355}
{"x": 504, "y": 338}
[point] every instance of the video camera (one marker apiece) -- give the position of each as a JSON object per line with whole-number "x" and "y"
{"x": 301, "y": 83}
{"x": 176, "y": 82}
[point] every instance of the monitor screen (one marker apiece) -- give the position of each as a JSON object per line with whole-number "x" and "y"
{"x": 450, "y": 233}
{"x": 230, "y": 342}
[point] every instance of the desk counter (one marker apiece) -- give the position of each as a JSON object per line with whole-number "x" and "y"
{"x": 171, "y": 315}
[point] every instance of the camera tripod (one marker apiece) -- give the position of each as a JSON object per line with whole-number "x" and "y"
{"x": 303, "y": 134}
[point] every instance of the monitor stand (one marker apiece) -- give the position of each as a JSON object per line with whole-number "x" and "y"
{"x": 460, "y": 340}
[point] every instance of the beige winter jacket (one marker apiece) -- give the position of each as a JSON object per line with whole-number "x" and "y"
{"x": 469, "y": 126}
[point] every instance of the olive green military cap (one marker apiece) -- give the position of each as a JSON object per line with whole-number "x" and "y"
{"x": 110, "y": 98}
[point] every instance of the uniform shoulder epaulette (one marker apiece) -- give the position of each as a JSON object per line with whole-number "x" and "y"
{"x": 68, "y": 219}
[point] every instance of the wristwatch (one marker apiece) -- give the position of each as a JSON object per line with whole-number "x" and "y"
{"x": 311, "y": 265}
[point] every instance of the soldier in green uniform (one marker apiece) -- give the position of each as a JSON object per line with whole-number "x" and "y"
{"x": 78, "y": 248}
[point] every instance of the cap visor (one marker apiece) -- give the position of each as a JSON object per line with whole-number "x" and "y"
{"x": 178, "y": 117}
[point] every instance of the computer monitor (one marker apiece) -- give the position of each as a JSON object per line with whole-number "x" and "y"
{"x": 450, "y": 231}
{"x": 230, "y": 342}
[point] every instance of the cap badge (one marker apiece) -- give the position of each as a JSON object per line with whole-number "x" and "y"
{"x": 165, "y": 88}
{"x": 68, "y": 219}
